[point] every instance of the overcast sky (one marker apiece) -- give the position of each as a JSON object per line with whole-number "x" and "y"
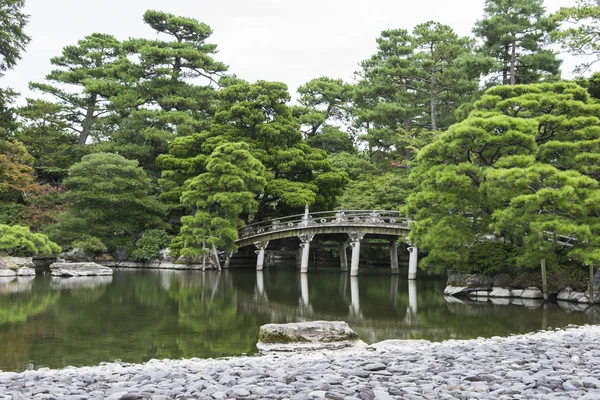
{"x": 292, "y": 41}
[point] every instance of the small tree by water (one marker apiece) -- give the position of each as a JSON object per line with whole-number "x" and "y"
{"x": 111, "y": 200}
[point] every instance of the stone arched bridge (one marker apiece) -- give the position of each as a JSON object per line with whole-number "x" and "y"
{"x": 356, "y": 224}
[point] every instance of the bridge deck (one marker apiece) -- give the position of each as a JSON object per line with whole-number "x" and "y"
{"x": 381, "y": 223}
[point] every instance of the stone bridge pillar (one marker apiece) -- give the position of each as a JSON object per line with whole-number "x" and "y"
{"x": 261, "y": 246}
{"x": 355, "y": 238}
{"x": 412, "y": 262}
{"x": 305, "y": 246}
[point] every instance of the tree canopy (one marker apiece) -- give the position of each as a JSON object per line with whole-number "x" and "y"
{"x": 579, "y": 27}
{"x": 257, "y": 114}
{"x": 520, "y": 169}
{"x": 18, "y": 240}
{"x": 220, "y": 197}
{"x": 111, "y": 200}
{"x": 13, "y": 39}
{"x": 514, "y": 33}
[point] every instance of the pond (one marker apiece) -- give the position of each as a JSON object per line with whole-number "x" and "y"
{"x": 135, "y": 316}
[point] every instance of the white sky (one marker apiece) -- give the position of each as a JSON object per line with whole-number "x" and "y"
{"x": 276, "y": 40}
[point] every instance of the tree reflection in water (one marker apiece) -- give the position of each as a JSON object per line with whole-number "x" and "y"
{"x": 138, "y": 315}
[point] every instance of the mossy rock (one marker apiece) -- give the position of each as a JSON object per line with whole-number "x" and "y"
{"x": 276, "y": 336}
{"x": 306, "y": 336}
{"x": 6, "y": 262}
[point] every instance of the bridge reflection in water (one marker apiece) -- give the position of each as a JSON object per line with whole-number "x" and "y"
{"x": 305, "y": 311}
{"x": 347, "y": 227}
{"x": 377, "y": 306}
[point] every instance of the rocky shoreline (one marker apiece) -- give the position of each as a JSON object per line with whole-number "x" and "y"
{"x": 482, "y": 287}
{"x": 547, "y": 364}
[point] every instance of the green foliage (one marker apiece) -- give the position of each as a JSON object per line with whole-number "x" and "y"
{"x": 16, "y": 172}
{"x": 323, "y": 101}
{"x": 148, "y": 246}
{"x": 332, "y": 140}
{"x": 579, "y": 27}
{"x": 353, "y": 165}
{"x": 168, "y": 88}
{"x": 523, "y": 168}
{"x": 43, "y": 206}
{"x": 386, "y": 75}
{"x": 13, "y": 39}
{"x": 258, "y": 115}
{"x": 513, "y": 34}
{"x": 413, "y": 84}
{"x": 166, "y": 103}
{"x": 11, "y": 213}
{"x": 592, "y": 84}
{"x": 220, "y": 196}
{"x": 387, "y": 191}
{"x": 489, "y": 258}
{"x": 91, "y": 68}
{"x": 18, "y": 240}
{"x": 442, "y": 81}
{"x": 90, "y": 244}
{"x": 110, "y": 199}
{"x": 45, "y": 131}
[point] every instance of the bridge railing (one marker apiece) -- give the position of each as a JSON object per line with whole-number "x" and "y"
{"x": 336, "y": 217}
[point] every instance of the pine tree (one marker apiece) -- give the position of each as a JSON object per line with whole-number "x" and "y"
{"x": 514, "y": 33}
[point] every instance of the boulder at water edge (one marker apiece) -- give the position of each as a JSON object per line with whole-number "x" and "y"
{"x": 299, "y": 336}
{"x": 474, "y": 282}
{"x": 79, "y": 269}
{"x": 7, "y": 268}
{"x": 76, "y": 255}
{"x": 532, "y": 293}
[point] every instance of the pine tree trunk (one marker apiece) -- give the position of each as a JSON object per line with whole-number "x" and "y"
{"x": 513, "y": 60}
{"x": 505, "y": 70}
{"x": 87, "y": 122}
{"x": 544, "y": 279}
{"x": 216, "y": 255}
{"x": 406, "y": 122}
{"x": 433, "y": 102}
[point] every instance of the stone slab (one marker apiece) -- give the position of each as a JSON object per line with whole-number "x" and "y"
{"x": 79, "y": 269}
{"x": 314, "y": 335}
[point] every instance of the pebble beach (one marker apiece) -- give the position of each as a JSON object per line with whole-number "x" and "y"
{"x": 557, "y": 364}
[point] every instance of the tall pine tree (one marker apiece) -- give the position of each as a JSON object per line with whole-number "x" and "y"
{"x": 514, "y": 34}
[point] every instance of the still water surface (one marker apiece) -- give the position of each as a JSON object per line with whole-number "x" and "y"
{"x": 135, "y": 316}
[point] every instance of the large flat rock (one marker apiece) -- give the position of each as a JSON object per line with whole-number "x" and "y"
{"x": 157, "y": 265}
{"x": 24, "y": 262}
{"x": 7, "y": 273}
{"x": 301, "y": 336}
{"x": 79, "y": 269}
{"x": 7, "y": 267}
